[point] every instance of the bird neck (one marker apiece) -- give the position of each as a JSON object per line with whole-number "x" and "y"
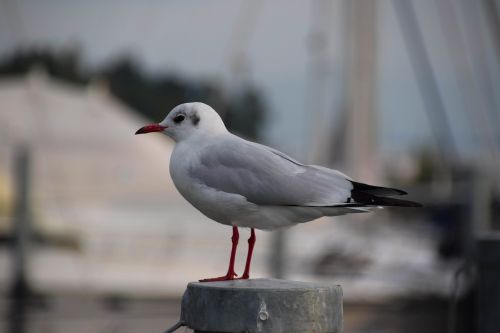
{"x": 204, "y": 135}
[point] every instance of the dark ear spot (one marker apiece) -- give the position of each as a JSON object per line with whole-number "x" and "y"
{"x": 195, "y": 119}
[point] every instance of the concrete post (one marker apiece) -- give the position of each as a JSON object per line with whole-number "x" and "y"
{"x": 262, "y": 305}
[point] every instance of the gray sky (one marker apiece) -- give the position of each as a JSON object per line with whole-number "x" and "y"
{"x": 195, "y": 38}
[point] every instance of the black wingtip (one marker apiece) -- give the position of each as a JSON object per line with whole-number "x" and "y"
{"x": 376, "y": 190}
{"x": 368, "y": 195}
{"x": 386, "y": 202}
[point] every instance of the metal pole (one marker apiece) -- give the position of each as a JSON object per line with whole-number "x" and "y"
{"x": 19, "y": 290}
{"x": 278, "y": 254}
{"x": 488, "y": 289}
{"x": 487, "y": 255}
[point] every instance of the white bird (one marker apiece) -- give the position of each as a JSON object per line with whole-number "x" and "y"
{"x": 244, "y": 184}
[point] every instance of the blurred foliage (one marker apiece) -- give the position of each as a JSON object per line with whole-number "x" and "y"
{"x": 64, "y": 65}
{"x": 152, "y": 95}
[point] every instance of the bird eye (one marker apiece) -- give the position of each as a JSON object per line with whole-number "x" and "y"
{"x": 179, "y": 118}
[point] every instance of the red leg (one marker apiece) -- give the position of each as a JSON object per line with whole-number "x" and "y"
{"x": 251, "y": 243}
{"x": 230, "y": 271}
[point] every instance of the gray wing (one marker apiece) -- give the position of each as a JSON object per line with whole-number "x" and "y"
{"x": 268, "y": 177}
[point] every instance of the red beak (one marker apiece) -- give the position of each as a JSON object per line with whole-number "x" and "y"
{"x": 150, "y": 128}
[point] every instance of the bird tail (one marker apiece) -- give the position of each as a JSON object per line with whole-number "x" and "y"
{"x": 369, "y": 195}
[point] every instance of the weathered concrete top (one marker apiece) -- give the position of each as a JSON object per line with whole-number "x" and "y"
{"x": 262, "y": 305}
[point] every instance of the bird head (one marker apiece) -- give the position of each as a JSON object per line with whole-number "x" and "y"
{"x": 188, "y": 120}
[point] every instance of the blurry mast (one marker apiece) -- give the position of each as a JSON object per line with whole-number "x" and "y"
{"x": 350, "y": 142}
{"x": 359, "y": 157}
{"x": 469, "y": 90}
{"x": 317, "y": 88}
{"x": 242, "y": 33}
{"x": 426, "y": 80}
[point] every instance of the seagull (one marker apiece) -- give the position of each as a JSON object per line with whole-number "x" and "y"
{"x": 240, "y": 183}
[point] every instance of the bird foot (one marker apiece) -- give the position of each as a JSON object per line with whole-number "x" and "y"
{"x": 227, "y": 277}
{"x": 243, "y": 277}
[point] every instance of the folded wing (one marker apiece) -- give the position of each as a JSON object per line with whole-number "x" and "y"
{"x": 268, "y": 177}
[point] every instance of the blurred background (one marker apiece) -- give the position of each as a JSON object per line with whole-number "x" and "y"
{"x": 95, "y": 238}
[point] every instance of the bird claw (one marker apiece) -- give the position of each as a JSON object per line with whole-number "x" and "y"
{"x": 227, "y": 277}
